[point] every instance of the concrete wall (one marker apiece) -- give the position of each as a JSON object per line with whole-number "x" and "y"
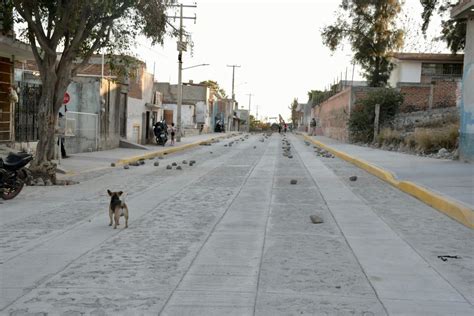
{"x": 191, "y": 93}
{"x": 187, "y": 114}
{"x": 93, "y": 115}
{"x": 467, "y": 103}
{"x": 136, "y": 109}
{"x": 202, "y": 113}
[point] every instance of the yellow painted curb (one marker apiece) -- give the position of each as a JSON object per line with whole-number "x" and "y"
{"x": 168, "y": 150}
{"x": 453, "y": 209}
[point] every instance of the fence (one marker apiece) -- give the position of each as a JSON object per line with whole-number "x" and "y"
{"x": 26, "y": 113}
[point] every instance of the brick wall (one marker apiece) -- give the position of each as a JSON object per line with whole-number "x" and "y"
{"x": 332, "y": 115}
{"x": 417, "y": 96}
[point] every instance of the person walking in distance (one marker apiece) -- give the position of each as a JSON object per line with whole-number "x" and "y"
{"x": 172, "y": 133}
{"x": 313, "y": 127}
{"x": 61, "y": 131}
{"x": 201, "y": 128}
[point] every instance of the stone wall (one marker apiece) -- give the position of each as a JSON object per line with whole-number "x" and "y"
{"x": 407, "y": 122}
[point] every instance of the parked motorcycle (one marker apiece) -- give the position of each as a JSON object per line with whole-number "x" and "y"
{"x": 13, "y": 174}
{"x": 161, "y": 133}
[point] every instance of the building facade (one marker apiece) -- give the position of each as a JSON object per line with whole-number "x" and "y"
{"x": 465, "y": 10}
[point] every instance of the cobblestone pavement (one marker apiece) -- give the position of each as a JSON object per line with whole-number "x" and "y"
{"x": 229, "y": 235}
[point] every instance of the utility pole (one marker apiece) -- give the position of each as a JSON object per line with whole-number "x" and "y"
{"x": 233, "y": 80}
{"x": 181, "y": 48}
{"x": 250, "y": 100}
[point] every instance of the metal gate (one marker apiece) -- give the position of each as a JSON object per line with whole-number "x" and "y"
{"x": 26, "y": 113}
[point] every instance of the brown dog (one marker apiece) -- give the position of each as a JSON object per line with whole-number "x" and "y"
{"x": 117, "y": 208}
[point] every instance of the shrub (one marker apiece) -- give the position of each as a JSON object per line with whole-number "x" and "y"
{"x": 432, "y": 140}
{"x": 361, "y": 122}
{"x": 388, "y": 136}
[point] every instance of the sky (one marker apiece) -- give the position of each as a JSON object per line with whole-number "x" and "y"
{"x": 277, "y": 43}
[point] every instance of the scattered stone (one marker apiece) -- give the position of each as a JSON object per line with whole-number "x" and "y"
{"x": 151, "y": 158}
{"x": 156, "y": 164}
{"x": 338, "y": 286}
{"x": 225, "y": 145}
{"x": 185, "y": 162}
{"x": 126, "y": 167}
{"x": 293, "y": 181}
{"x": 210, "y": 152}
{"x": 135, "y": 164}
{"x": 353, "y": 178}
{"x": 160, "y": 157}
{"x": 112, "y": 164}
{"x": 142, "y": 162}
{"x": 254, "y": 147}
{"x": 174, "y": 164}
{"x": 443, "y": 151}
{"x": 316, "y": 219}
{"x": 191, "y": 164}
{"x": 192, "y": 161}
{"x": 290, "y": 156}
{"x": 168, "y": 167}
{"x": 179, "y": 168}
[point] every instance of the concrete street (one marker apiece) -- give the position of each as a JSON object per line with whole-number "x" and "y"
{"x": 231, "y": 236}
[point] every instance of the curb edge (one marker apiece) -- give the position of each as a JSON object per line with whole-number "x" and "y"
{"x": 455, "y": 210}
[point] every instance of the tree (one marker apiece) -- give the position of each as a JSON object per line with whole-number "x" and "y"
{"x": 315, "y": 96}
{"x": 65, "y": 34}
{"x": 361, "y": 121}
{"x": 453, "y": 31}
{"x": 370, "y": 27}
{"x": 214, "y": 86}
{"x": 294, "y": 113}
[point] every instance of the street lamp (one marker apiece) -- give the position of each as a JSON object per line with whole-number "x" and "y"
{"x": 200, "y": 65}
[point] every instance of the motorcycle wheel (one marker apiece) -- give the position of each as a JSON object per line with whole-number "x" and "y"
{"x": 10, "y": 192}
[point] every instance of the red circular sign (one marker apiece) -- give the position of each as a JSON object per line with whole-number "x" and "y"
{"x": 67, "y": 98}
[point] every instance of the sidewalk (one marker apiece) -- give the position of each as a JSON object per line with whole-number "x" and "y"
{"x": 443, "y": 184}
{"x": 97, "y": 160}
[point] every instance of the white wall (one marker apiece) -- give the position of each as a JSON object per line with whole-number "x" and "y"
{"x": 202, "y": 113}
{"x": 405, "y": 71}
{"x": 410, "y": 72}
{"x": 136, "y": 108}
{"x": 187, "y": 113}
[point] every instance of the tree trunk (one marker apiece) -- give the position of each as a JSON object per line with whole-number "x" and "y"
{"x": 54, "y": 85}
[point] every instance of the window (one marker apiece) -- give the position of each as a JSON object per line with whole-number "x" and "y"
{"x": 441, "y": 69}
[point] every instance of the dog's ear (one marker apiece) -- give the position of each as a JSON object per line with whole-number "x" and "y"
{"x": 110, "y": 193}
{"x": 120, "y": 193}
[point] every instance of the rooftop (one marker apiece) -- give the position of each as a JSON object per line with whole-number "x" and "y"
{"x": 430, "y": 57}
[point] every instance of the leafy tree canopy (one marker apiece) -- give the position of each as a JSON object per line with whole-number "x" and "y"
{"x": 294, "y": 114}
{"x": 214, "y": 86}
{"x": 453, "y": 31}
{"x": 370, "y": 27}
{"x": 63, "y": 32}
{"x": 314, "y": 96}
